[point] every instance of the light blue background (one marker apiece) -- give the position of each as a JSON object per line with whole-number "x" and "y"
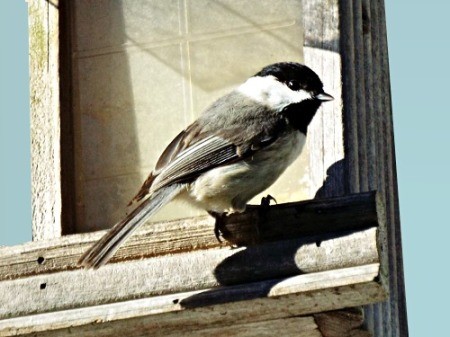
{"x": 15, "y": 181}
{"x": 419, "y": 45}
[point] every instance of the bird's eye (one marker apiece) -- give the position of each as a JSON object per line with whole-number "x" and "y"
{"x": 293, "y": 85}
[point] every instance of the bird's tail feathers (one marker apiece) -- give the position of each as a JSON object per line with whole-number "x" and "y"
{"x": 104, "y": 249}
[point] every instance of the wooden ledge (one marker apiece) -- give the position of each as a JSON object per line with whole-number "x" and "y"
{"x": 284, "y": 221}
{"x": 188, "y": 312}
{"x": 310, "y": 257}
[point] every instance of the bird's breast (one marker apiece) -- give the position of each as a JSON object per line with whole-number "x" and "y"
{"x": 228, "y": 188}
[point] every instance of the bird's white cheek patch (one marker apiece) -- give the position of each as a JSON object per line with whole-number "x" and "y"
{"x": 301, "y": 95}
{"x": 269, "y": 91}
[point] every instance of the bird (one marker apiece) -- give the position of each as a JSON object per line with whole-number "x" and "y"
{"x": 236, "y": 149}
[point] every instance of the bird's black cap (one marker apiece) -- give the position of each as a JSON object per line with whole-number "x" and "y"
{"x": 287, "y": 72}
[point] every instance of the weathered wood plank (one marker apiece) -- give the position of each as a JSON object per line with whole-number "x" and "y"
{"x": 398, "y": 319}
{"x": 314, "y": 217}
{"x": 184, "y": 272}
{"x": 321, "y": 52}
{"x": 67, "y": 93}
{"x": 350, "y": 173}
{"x": 369, "y": 133}
{"x": 381, "y": 317}
{"x": 364, "y": 112}
{"x": 295, "y": 326}
{"x": 182, "y": 312}
{"x": 45, "y": 119}
{"x": 359, "y": 114}
{"x": 347, "y": 322}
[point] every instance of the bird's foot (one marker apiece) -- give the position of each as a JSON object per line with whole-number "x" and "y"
{"x": 265, "y": 201}
{"x": 263, "y": 213}
{"x": 218, "y": 224}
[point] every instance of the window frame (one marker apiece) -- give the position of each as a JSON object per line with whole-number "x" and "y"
{"x": 345, "y": 43}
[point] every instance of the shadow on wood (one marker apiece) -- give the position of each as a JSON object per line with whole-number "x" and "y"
{"x": 311, "y": 256}
{"x": 318, "y": 217}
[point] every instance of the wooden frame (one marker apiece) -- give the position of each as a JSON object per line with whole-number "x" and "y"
{"x": 45, "y": 119}
{"x": 186, "y": 288}
{"x": 345, "y": 42}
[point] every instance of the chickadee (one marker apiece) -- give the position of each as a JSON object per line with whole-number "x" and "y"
{"x": 236, "y": 149}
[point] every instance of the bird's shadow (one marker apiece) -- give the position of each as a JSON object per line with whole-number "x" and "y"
{"x": 265, "y": 263}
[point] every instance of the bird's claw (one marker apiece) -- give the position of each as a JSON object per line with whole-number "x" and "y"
{"x": 217, "y": 224}
{"x": 265, "y": 201}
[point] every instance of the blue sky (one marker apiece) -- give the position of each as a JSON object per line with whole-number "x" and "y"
{"x": 419, "y": 53}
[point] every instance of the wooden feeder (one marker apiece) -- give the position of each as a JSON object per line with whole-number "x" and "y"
{"x": 329, "y": 265}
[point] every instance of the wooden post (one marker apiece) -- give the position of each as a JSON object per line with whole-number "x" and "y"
{"x": 45, "y": 119}
{"x": 347, "y": 40}
{"x": 369, "y": 145}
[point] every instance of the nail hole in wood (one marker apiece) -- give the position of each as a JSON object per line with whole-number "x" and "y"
{"x": 43, "y": 286}
{"x": 40, "y": 260}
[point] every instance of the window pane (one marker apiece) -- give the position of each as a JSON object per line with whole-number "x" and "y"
{"x": 144, "y": 70}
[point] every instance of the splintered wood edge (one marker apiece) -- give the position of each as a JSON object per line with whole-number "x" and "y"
{"x": 293, "y": 296}
{"x": 345, "y": 322}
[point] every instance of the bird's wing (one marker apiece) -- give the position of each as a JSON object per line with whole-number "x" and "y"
{"x": 193, "y": 152}
{"x": 205, "y": 154}
{"x": 183, "y": 163}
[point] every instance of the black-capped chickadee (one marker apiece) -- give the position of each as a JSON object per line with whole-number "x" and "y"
{"x": 236, "y": 149}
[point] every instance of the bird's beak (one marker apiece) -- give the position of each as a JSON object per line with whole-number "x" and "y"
{"x": 323, "y": 97}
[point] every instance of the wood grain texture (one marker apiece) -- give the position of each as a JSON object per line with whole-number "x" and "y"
{"x": 184, "y": 272}
{"x": 325, "y": 135}
{"x": 349, "y": 173}
{"x": 363, "y": 109}
{"x": 67, "y": 92}
{"x": 347, "y": 322}
{"x": 45, "y": 119}
{"x": 369, "y": 145}
{"x": 42, "y": 294}
{"x": 307, "y": 218}
{"x": 369, "y": 154}
{"x": 196, "y": 310}
{"x": 397, "y": 283}
{"x": 294, "y": 326}
{"x": 370, "y": 127}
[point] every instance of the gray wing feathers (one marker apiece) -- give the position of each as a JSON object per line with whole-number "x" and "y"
{"x": 205, "y": 154}
{"x": 105, "y": 248}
